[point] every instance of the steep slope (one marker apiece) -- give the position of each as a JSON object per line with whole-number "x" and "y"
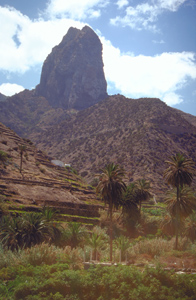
{"x": 137, "y": 134}
{"x": 41, "y": 182}
{"x": 72, "y": 78}
{"x": 25, "y": 112}
{"x": 72, "y": 75}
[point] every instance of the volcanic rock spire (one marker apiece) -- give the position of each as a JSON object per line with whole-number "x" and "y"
{"x": 72, "y": 74}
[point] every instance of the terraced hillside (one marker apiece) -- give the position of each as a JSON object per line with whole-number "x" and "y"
{"x": 41, "y": 183}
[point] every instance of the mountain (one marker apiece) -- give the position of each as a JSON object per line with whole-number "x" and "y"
{"x": 70, "y": 116}
{"x": 72, "y": 79}
{"x": 72, "y": 75}
{"x": 137, "y": 134}
{"x": 26, "y": 113}
{"x": 41, "y": 182}
{"x": 2, "y": 97}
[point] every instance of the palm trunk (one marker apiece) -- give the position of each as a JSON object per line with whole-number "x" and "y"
{"x": 111, "y": 233}
{"x": 177, "y": 218}
{"x": 20, "y": 162}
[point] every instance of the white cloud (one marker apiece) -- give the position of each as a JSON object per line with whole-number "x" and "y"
{"x": 160, "y": 76}
{"x": 145, "y": 15}
{"x": 122, "y": 3}
{"x": 9, "y": 89}
{"x": 35, "y": 39}
{"x": 75, "y": 9}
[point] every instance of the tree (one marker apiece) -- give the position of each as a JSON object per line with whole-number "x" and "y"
{"x": 22, "y": 149}
{"x": 75, "y": 234}
{"x": 11, "y": 232}
{"x": 130, "y": 211}
{"x": 190, "y": 230}
{"x": 179, "y": 173}
{"x": 142, "y": 193}
{"x": 97, "y": 241}
{"x": 50, "y": 216}
{"x": 110, "y": 188}
{"x": 35, "y": 229}
{"x": 123, "y": 245}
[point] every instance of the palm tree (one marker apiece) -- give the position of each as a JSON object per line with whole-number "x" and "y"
{"x": 22, "y": 149}
{"x": 50, "y": 216}
{"x": 130, "y": 211}
{"x": 142, "y": 187}
{"x": 35, "y": 229}
{"x": 11, "y": 232}
{"x": 179, "y": 173}
{"x": 123, "y": 245}
{"x": 75, "y": 234}
{"x": 97, "y": 240}
{"x": 190, "y": 230}
{"x": 110, "y": 188}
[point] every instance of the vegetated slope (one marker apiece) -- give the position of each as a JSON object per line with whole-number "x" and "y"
{"x": 40, "y": 182}
{"x": 137, "y": 134}
{"x": 25, "y": 112}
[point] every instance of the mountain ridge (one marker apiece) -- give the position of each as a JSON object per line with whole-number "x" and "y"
{"x": 137, "y": 134}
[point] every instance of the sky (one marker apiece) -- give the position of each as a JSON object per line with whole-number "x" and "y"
{"x": 149, "y": 46}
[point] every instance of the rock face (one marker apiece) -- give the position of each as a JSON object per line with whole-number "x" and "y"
{"x": 72, "y": 74}
{"x": 2, "y": 97}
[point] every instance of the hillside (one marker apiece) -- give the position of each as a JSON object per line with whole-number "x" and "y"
{"x": 69, "y": 116}
{"x": 137, "y": 134}
{"x": 41, "y": 183}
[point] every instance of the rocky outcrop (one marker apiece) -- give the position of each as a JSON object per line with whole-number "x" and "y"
{"x": 72, "y": 74}
{"x": 2, "y": 97}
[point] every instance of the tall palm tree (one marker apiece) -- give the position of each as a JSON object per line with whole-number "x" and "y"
{"x": 110, "y": 188}
{"x": 130, "y": 211}
{"x": 142, "y": 187}
{"x": 179, "y": 173}
{"x": 22, "y": 149}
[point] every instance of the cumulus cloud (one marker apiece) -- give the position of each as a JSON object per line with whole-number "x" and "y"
{"x": 75, "y": 9}
{"x": 145, "y": 15}
{"x": 25, "y": 43}
{"x": 160, "y": 76}
{"x": 9, "y": 89}
{"x": 122, "y": 3}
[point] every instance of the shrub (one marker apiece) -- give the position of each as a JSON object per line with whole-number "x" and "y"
{"x": 41, "y": 254}
{"x": 3, "y": 156}
{"x": 153, "y": 246}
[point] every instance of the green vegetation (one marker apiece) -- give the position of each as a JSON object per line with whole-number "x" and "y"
{"x": 22, "y": 149}
{"x": 43, "y": 257}
{"x": 3, "y": 156}
{"x": 178, "y": 174}
{"x": 111, "y": 187}
{"x": 44, "y": 272}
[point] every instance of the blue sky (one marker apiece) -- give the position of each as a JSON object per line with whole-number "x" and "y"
{"x": 149, "y": 46}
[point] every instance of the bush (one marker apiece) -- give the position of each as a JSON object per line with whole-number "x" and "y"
{"x": 153, "y": 246}
{"x": 3, "y": 156}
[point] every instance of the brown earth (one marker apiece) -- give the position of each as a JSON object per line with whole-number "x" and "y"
{"x": 41, "y": 182}
{"x": 137, "y": 134}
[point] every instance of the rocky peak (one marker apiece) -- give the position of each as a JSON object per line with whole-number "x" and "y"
{"x": 2, "y": 97}
{"x": 72, "y": 74}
